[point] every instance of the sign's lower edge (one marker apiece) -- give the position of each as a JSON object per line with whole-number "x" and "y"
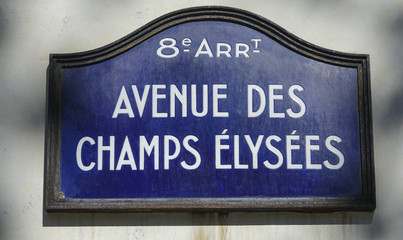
{"x": 303, "y": 204}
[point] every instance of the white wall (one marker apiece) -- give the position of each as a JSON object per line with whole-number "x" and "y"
{"x": 30, "y": 30}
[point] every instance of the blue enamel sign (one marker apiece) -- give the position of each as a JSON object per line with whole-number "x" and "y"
{"x": 209, "y": 112}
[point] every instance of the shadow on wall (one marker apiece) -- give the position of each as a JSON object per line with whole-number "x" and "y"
{"x": 393, "y": 115}
{"x": 200, "y": 219}
{"x": 3, "y": 24}
{"x": 22, "y": 88}
{"x": 3, "y": 30}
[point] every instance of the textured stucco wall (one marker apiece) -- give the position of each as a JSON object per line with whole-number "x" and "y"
{"x": 30, "y": 30}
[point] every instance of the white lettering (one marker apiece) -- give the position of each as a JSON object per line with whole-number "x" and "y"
{"x": 216, "y": 97}
{"x": 155, "y": 98}
{"x": 225, "y": 51}
{"x": 182, "y": 97}
{"x": 262, "y": 98}
{"x": 123, "y": 99}
{"x": 290, "y": 148}
{"x": 140, "y": 101}
{"x": 254, "y": 148}
{"x": 167, "y": 155}
{"x": 218, "y": 147}
{"x": 204, "y": 45}
{"x": 308, "y": 148}
{"x": 78, "y": 154}
{"x": 298, "y": 100}
{"x": 244, "y": 51}
{"x": 272, "y": 98}
{"x": 204, "y": 102}
{"x": 126, "y": 150}
{"x": 154, "y": 145}
{"x": 335, "y": 151}
{"x": 110, "y": 148}
{"x": 275, "y": 151}
{"x": 193, "y": 151}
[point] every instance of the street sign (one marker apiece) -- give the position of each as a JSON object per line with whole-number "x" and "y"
{"x": 209, "y": 109}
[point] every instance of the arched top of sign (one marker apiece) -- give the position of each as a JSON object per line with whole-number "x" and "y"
{"x": 221, "y": 14}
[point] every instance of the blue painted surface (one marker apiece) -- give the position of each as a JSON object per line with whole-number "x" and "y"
{"x": 90, "y": 94}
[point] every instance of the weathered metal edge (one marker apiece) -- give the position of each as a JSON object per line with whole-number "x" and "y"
{"x": 55, "y": 200}
{"x": 212, "y": 204}
{"x": 366, "y": 134}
